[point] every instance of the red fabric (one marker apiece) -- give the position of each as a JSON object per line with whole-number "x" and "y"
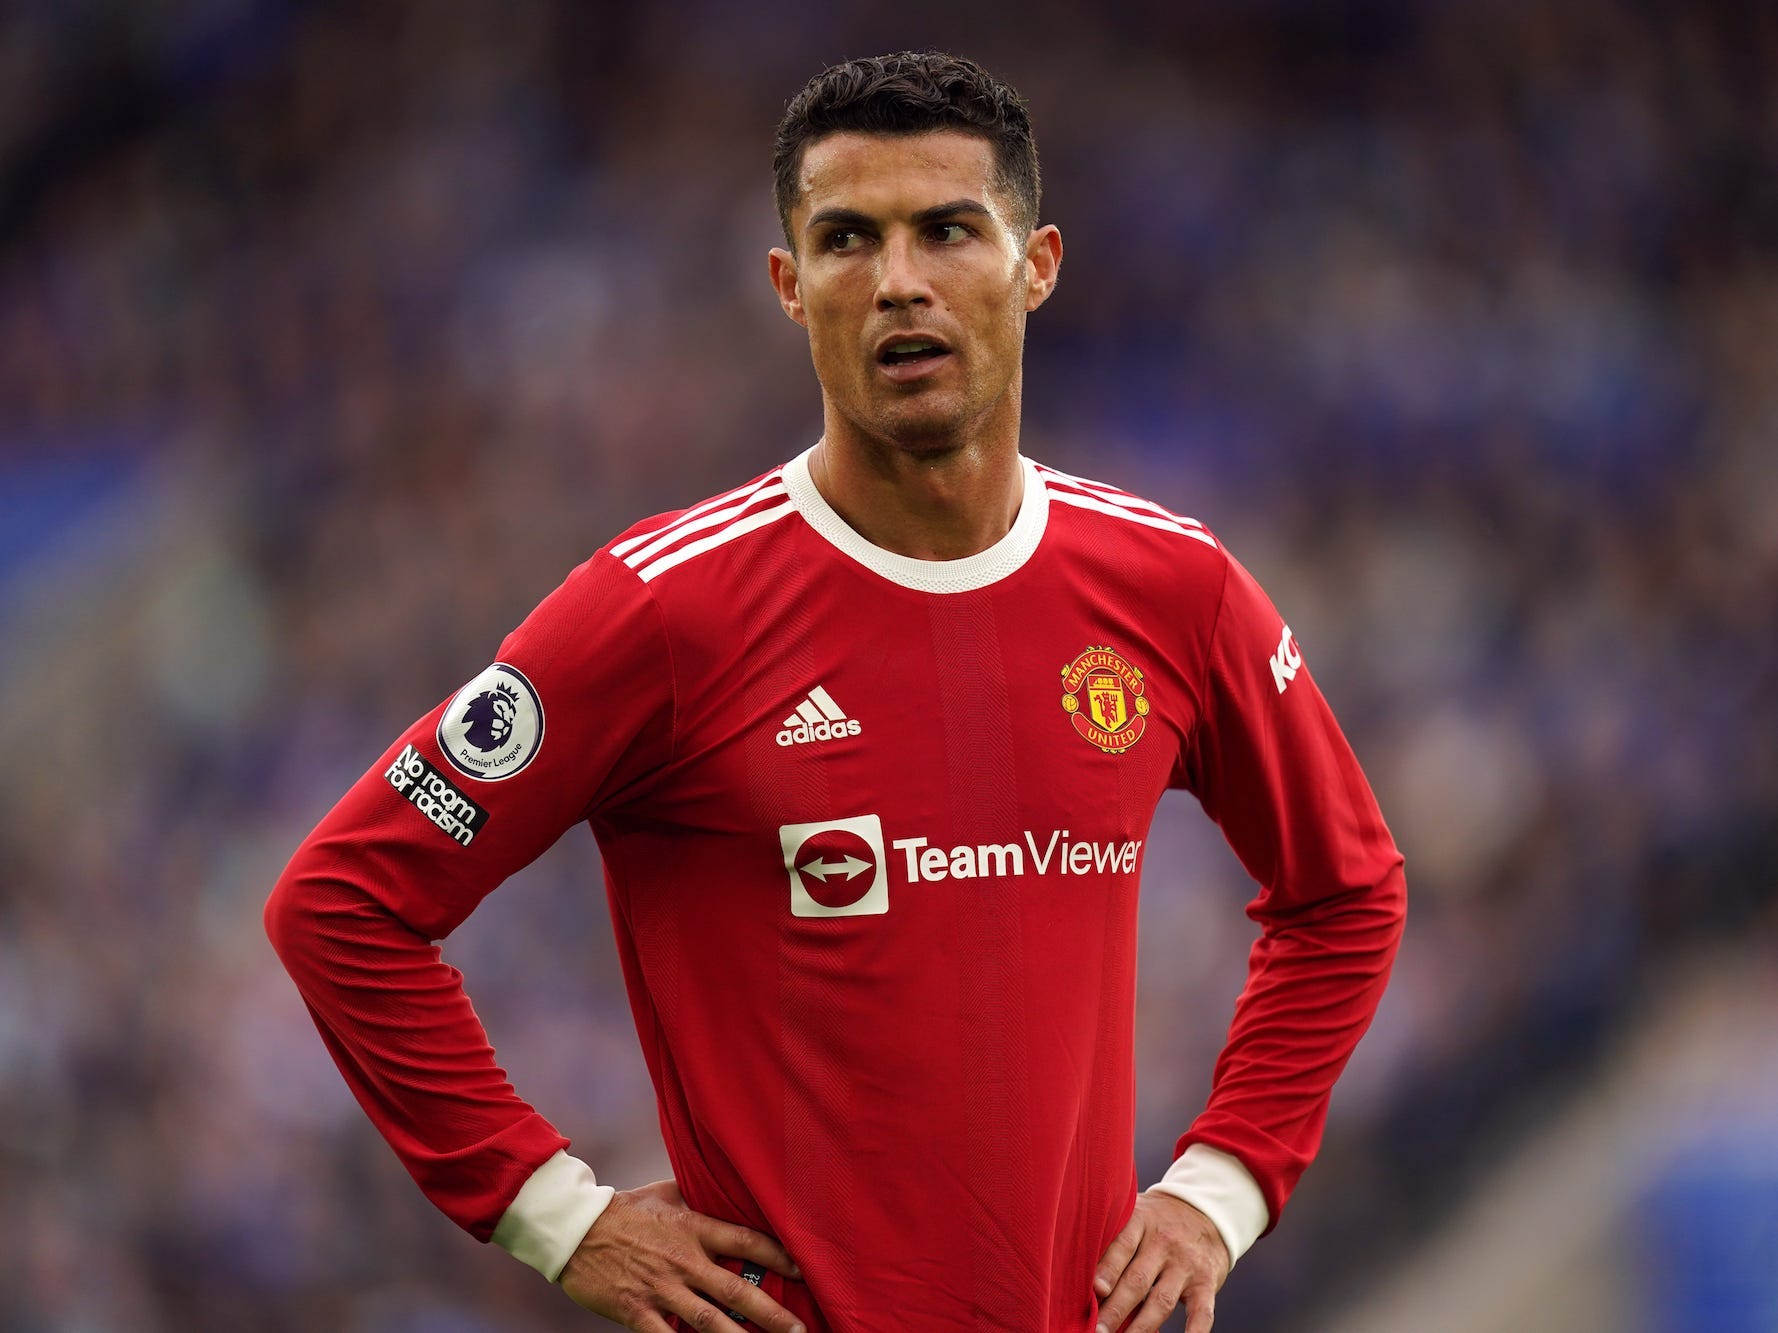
{"x": 932, "y": 1107}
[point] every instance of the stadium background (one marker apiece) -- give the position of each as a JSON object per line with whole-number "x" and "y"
{"x": 332, "y": 335}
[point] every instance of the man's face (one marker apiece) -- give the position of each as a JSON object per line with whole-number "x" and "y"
{"x": 913, "y": 277}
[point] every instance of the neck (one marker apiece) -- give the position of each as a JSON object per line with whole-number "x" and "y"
{"x": 941, "y": 504}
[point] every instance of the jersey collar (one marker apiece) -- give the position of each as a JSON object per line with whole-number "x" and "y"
{"x": 942, "y": 576}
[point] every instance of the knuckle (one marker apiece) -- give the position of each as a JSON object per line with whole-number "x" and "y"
{"x": 747, "y": 1245}
{"x": 732, "y": 1289}
{"x": 703, "y": 1319}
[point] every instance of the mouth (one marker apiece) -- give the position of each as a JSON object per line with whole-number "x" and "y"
{"x": 907, "y": 358}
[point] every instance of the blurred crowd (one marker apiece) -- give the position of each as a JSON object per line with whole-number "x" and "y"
{"x": 332, "y": 335}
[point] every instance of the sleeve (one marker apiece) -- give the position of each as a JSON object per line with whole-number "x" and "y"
{"x": 1270, "y": 766}
{"x": 577, "y": 708}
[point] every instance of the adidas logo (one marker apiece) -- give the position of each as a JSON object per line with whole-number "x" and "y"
{"x": 817, "y": 718}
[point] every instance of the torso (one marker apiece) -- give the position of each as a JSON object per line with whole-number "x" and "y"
{"x": 883, "y": 963}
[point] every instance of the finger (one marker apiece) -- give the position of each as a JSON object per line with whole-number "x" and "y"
{"x": 1116, "y": 1258}
{"x": 1162, "y": 1298}
{"x": 733, "y": 1292}
{"x": 1131, "y": 1290}
{"x": 1200, "y": 1301}
{"x": 730, "y": 1240}
{"x": 696, "y": 1312}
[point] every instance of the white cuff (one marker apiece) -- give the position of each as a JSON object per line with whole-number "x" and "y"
{"x": 551, "y": 1214}
{"x": 1219, "y": 1187}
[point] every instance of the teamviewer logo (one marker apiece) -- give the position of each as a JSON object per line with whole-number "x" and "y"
{"x": 836, "y": 867}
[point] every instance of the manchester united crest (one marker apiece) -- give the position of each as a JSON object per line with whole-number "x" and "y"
{"x": 1103, "y": 697}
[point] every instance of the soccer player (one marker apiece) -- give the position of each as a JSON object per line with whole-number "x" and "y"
{"x": 871, "y": 745}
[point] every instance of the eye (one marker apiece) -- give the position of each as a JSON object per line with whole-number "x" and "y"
{"x": 949, "y": 233}
{"x": 844, "y": 239}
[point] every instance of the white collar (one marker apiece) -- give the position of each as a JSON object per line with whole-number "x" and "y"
{"x": 965, "y": 575}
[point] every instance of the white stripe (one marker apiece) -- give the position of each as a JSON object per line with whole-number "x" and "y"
{"x": 740, "y": 493}
{"x": 665, "y": 539}
{"x": 739, "y": 528}
{"x": 824, "y": 701}
{"x": 794, "y": 720}
{"x": 1164, "y": 524}
{"x": 810, "y": 713}
{"x": 1121, "y": 498}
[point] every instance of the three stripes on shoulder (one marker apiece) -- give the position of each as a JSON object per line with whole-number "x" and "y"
{"x": 739, "y": 512}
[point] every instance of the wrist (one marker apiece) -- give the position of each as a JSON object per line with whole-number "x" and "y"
{"x": 551, "y": 1214}
{"x": 1220, "y": 1187}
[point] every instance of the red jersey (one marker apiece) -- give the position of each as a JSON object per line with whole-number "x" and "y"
{"x": 872, "y": 829}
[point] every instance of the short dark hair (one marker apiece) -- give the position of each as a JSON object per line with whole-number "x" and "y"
{"x": 911, "y": 92}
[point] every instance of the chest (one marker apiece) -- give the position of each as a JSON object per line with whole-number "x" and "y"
{"x": 1048, "y": 715}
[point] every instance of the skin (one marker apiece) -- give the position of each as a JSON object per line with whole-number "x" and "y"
{"x": 898, "y": 235}
{"x": 929, "y": 468}
{"x": 650, "y": 1256}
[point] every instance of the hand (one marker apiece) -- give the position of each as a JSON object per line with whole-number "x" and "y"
{"x": 1166, "y": 1251}
{"x": 649, "y": 1256}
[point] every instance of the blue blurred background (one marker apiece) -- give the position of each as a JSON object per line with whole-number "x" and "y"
{"x": 332, "y": 336}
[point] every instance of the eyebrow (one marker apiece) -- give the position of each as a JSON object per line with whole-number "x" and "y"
{"x": 851, "y": 217}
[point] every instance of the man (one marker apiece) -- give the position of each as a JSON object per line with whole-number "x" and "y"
{"x": 871, "y": 745}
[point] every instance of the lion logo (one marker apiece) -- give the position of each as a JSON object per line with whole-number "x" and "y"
{"x": 490, "y": 716}
{"x": 493, "y": 727}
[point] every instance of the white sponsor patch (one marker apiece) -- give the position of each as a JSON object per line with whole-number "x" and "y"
{"x": 494, "y": 725}
{"x": 836, "y": 867}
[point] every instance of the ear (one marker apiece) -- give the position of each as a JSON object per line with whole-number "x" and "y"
{"x": 782, "y": 265}
{"x": 1043, "y": 260}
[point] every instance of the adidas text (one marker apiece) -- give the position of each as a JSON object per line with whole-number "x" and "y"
{"x": 802, "y": 732}
{"x": 817, "y": 718}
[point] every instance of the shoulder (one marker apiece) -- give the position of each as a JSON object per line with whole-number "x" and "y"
{"x": 673, "y": 539}
{"x": 611, "y": 591}
{"x": 1127, "y": 527}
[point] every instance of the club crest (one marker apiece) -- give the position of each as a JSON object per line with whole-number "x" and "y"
{"x": 1104, "y": 698}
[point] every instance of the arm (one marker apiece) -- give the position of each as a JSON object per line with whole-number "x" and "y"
{"x": 577, "y": 710}
{"x": 409, "y": 852}
{"x": 1271, "y": 767}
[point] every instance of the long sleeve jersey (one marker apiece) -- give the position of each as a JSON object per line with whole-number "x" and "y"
{"x": 872, "y": 829}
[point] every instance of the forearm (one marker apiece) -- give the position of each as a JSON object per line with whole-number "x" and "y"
{"x": 1315, "y": 978}
{"x": 398, "y": 1024}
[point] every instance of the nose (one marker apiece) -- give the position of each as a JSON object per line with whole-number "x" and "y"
{"x": 902, "y": 281}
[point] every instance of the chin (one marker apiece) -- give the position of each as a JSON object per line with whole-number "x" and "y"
{"x": 925, "y": 435}
{"x": 925, "y": 423}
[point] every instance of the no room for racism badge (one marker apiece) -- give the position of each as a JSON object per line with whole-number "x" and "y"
{"x": 1103, "y": 697}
